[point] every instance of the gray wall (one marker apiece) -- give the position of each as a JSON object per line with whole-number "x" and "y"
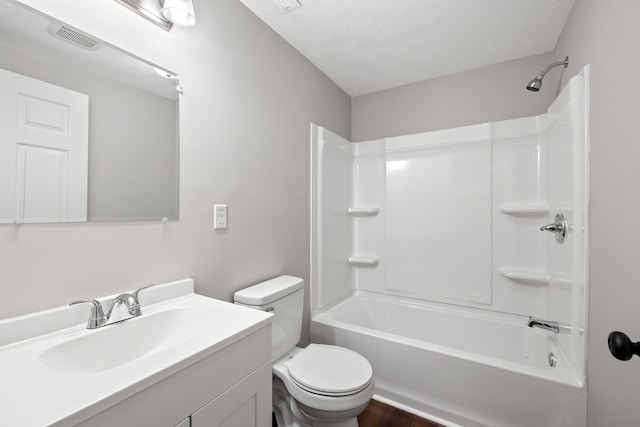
{"x": 248, "y": 100}
{"x": 482, "y": 95}
{"x": 605, "y": 34}
{"x": 132, "y": 144}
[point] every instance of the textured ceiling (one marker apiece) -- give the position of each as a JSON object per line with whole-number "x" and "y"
{"x": 370, "y": 45}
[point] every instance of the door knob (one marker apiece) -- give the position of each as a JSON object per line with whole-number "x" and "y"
{"x": 558, "y": 228}
{"x": 622, "y": 347}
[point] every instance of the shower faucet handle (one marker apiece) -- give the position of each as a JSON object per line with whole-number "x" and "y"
{"x": 558, "y": 228}
{"x": 551, "y": 227}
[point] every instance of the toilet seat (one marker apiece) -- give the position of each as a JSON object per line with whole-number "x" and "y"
{"x": 329, "y": 370}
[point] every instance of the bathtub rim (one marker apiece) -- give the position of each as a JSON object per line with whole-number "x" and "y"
{"x": 570, "y": 377}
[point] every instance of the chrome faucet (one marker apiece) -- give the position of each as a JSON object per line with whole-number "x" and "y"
{"x": 549, "y": 325}
{"x": 128, "y": 301}
{"x": 559, "y": 228}
{"x": 97, "y": 318}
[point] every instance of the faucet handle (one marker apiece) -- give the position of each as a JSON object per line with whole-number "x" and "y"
{"x": 559, "y": 228}
{"x": 96, "y": 318}
{"x": 137, "y": 291}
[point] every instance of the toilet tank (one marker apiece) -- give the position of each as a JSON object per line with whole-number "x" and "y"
{"x": 284, "y": 297}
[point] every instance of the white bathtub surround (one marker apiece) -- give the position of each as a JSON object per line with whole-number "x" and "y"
{"x": 73, "y": 373}
{"x": 457, "y": 225}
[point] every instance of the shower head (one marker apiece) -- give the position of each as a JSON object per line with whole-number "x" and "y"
{"x": 535, "y": 84}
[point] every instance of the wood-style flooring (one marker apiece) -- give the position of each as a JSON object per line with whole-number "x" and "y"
{"x": 378, "y": 414}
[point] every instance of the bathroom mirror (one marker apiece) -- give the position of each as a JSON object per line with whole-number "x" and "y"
{"x": 88, "y": 132}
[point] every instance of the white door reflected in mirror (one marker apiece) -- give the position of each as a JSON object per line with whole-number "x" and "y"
{"x": 44, "y": 142}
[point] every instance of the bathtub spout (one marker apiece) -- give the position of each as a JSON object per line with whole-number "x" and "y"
{"x": 549, "y": 325}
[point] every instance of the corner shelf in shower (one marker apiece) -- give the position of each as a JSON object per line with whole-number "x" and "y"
{"x": 364, "y": 261}
{"x": 364, "y": 211}
{"x": 527, "y": 277}
{"x": 525, "y": 210}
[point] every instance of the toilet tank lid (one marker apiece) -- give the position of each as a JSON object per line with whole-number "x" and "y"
{"x": 269, "y": 291}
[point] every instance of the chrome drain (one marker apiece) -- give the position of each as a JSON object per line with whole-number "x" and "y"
{"x": 552, "y": 359}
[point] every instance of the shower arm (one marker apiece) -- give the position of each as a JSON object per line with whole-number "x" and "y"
{"x": 555, "y": 64}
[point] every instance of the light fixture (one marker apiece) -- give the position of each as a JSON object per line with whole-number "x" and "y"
{"x": 180, "y": 12}
{"x": 164, "y": 13}
{"x": 149, "y": 10}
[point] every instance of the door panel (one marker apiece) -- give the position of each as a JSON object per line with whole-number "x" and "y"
{"x": 41, "y": 183}
{"x": 44, "y": 144}
{"x": 43, "y": 113}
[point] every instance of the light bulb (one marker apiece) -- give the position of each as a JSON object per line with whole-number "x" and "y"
{"x": 180, "y": 12}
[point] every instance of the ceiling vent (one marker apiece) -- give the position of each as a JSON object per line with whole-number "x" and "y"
{"x": 72, "y": 36}
{"x": 286, "y": 5}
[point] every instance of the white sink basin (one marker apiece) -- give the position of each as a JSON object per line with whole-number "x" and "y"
{"x": 74, "y": 373}
{"x": 121, "y": 343}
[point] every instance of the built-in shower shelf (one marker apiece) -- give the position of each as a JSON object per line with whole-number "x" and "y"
{"x": 527, "y": 277}
{"x": 364, "y": 261}
{"x": 525, "y": 210}
{"x": 563, "y": 283}
{"x": 364, "y": 211}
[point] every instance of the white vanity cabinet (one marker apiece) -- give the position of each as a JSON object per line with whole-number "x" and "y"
{"x": 231, "y": 388}
{"x": 245, "y": 404}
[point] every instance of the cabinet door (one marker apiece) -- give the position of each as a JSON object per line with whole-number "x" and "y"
{"x": 246, "y": 404}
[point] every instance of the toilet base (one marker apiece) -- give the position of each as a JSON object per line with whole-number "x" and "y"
{"x": 289, "y": 413}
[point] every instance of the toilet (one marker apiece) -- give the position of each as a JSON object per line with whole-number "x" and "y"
{"x": 320, "y": 385}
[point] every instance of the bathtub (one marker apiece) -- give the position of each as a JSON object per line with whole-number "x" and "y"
{"x": 455, "y": 365}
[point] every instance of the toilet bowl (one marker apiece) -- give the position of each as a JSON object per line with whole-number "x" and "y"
{"x": 317, "y": 386}
{"x": 326, "y": 383}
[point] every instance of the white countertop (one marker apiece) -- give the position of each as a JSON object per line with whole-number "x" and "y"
{"x": 33, "y": 394}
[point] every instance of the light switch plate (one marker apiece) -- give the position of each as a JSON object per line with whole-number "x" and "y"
{"x": 219, "y": 217}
